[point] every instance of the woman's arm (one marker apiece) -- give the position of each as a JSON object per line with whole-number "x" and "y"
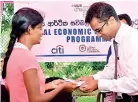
{"x": 53, "y": 84}
{"x": 33, "y": 87}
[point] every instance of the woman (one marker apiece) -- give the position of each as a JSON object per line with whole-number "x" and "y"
{"x": 23, "y": 76}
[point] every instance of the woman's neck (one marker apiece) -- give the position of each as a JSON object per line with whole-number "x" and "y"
{"x": 27, "y": 43}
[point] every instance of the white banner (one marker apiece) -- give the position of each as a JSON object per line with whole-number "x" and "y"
{"x": 66, "y": 36}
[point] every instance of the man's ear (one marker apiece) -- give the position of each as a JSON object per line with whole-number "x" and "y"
{"x": 111, "y": 20}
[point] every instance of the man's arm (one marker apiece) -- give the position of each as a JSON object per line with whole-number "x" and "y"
{"x": 129, "y": 82}
{"x": 109, "y": 69}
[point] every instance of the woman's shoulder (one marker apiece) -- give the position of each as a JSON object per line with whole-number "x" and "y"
{"x": 25, "y": 58}
{"x": 23, "y": 54}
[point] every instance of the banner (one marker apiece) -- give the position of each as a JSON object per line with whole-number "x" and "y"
{"x": 67, "y": 38}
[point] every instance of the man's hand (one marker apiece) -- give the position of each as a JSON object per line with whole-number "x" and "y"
{"x": 89, "y": 86}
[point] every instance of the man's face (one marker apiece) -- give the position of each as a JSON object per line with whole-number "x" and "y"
{"x": 102, "y": 29}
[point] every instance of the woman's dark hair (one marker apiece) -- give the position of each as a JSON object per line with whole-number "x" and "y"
{"x": 20, "y": 22}
{"x": 126, "y": 17}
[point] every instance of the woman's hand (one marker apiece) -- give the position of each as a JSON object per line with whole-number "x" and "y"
{"x": 69, "y": 86}
{"x": 54, "y": 84}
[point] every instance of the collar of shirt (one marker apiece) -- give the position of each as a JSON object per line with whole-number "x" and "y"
{"x": 20, "y": 45}
{"x": 120, "y": 33}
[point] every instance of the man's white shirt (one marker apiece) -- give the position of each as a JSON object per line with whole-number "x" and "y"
{"x": 127, "y": 66}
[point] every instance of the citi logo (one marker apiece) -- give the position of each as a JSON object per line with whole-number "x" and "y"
{"x": 59, "y": 49}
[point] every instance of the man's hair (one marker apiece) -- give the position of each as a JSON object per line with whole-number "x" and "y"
{"x": 126, "y": 17}
{"x": 101, "y": 11}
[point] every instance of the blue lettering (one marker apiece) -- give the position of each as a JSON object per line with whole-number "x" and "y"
{"x": 83, "y": 39}
{"x": 55, "y": 31}
{"x": 98, "y": 39}
{"x": 87, "y": 39}
{"x": 89, "y": 31}
{"x": 59, "y": 31}
{"x": 47, "y": 32}
{"x": 75, "y": 31}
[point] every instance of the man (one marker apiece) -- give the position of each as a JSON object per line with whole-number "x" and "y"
{"x": 125, "y": 18}
{"x": 104, "y": 21}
